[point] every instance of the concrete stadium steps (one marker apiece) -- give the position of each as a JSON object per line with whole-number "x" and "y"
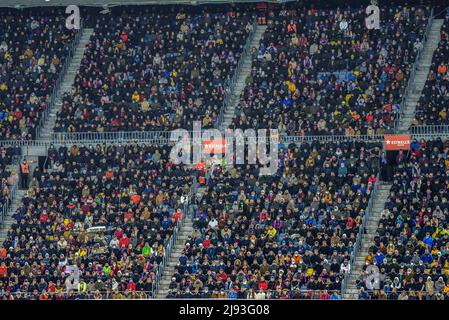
{"x": 9, "y": 221}
{"x": 67, "y": 82}
{"x": 422, "y": 72}
{"x": 370, "y": 231}
{"x": 242, "y": 75}
{"x": 34, "y": 151}
{"x": 173, "y": 260}
{"x": 169, "y": 269}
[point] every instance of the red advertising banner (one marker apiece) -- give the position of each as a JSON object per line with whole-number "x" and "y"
{"x": 214, "y": 146}
{"x": 397, "y": 142}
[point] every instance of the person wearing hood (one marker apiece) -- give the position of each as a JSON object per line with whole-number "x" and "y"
{"x": 430, "y": 287}
{"x": 439, "y": 285}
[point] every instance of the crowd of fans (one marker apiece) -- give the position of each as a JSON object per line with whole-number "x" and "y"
{"x": 432, "y": 107}
{"x": 95, "y": 223}
{"x": 102, "y": 212}
{"x": 411, "y": 247}
{"x": 288, "y": 235}
{"x": 320, "y": 71}
{"x": 33, "y": 49}
{"x": 155, "y": 71}
{"x": 323, "y": 72}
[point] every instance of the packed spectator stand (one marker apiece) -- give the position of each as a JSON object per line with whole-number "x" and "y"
{"x": 411, "y": 247}
{"x": 149, "y": 71}
{"x": 284, "y": 236}
{"x": 318, "y": 77}
{"x": 33, "y": 50}
{"x": 108, "y": 211}
{"x": 433, "y": 105}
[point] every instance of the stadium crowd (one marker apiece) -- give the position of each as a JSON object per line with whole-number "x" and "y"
{"x": 155, "y": 71}
{"x": 432, "y": 107}
{"x": 106, "y": 213}
{"x": 106, "y": 210}
{"x": 284, "y": 236}
{"x": 411, "y": 247}
{"x": 323, "y": 72}
{"x": 33, "y": 50}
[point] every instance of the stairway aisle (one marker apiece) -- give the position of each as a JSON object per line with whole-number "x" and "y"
{"x": 370, "y": 231}
{"x": 67, "y": 83}
{"x": 169, "y": 269}
{"x": 173, "y": 260}
{"x": 421, "y": 76}
{"x": 6, "y": 224}
{"x": 244, "y": 72}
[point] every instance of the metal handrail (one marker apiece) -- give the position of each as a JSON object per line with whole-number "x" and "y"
{"x": 105, "y": 294}
{"x": 358, "y": 242}
{"x": 411, "y": 78}
{"x": 108, "y": 294}
{"x": 416, "y": 292}
{"x": 7, "y": 205}
{"x": 307, "y": 294}
{"x": 231, "y": 87}
{"x": 167, "y": 253}
{"x": 442, "y": 129}
{"x": 117, "y": 135}
{"x": 173, "y": 240}
{"x": 163, "y": 138}
{"x": 75, "y": 137}
{"x": 12, "y": 195}
{"x": 58, "y": 82}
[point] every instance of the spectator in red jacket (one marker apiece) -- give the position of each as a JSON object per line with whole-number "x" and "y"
{"x": 222, "y": 276}
{"x": 124, "y": 36}
{"x": 131, "y": 286}
{"x": 3, "y": 270}
{"x": 263, "y": 284}
{"x": 124, "y": 241}
{"x": 177, "y": 215}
